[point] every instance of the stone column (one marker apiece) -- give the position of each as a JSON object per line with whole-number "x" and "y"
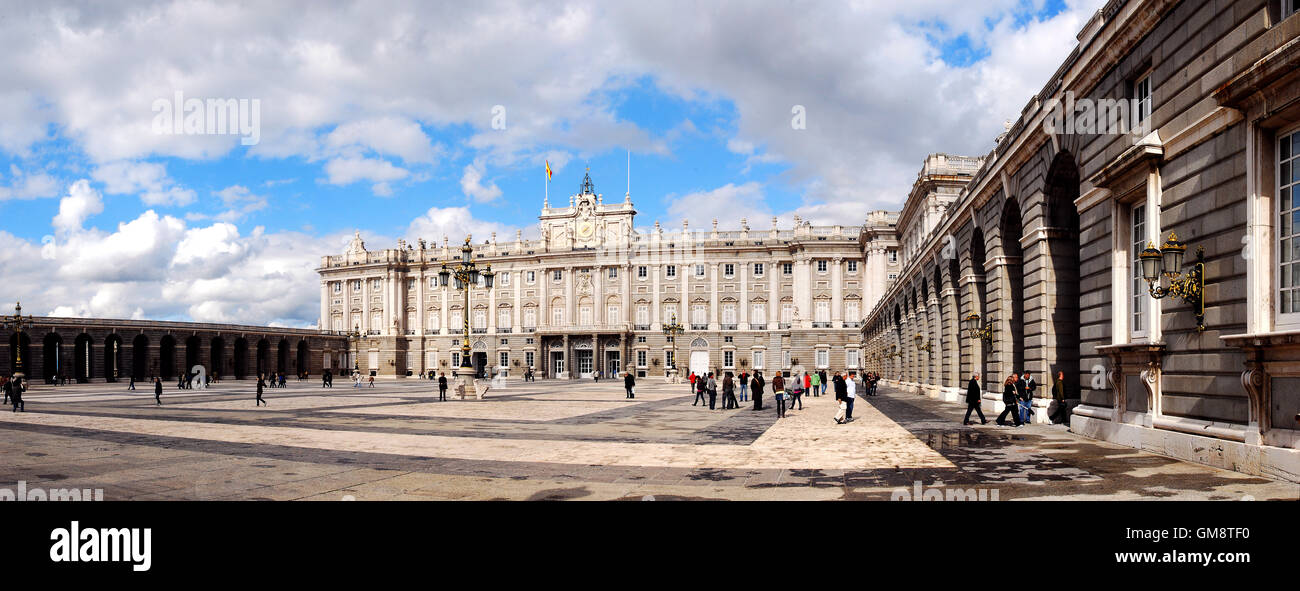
{"x": 656, "y": 299}
{"x": 627, "y": 297}
{"x": 714, "y": 313}
{"x": 569, "y": 305}
{"x": 743, "y": 313}
{"x": 837, "y": 293}
{"x": 774, "y": 301}
{"x": 325, "y": 306}
{"x": 597, "y": 296}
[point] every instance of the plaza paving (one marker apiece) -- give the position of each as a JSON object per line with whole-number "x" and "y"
{"x": 556, "y": 440}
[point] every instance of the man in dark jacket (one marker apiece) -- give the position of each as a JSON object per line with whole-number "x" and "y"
{"x": 1011, "y": 401}
{"x": 16, "y": 393}
{"x": 699, "y": 391}
{"x": 756, "y": 388}
{"x": 973, "y": 400}
{"x": 442, "y": 387}
{"x": 628, "y": 383}
{"x": 157, "y": 391}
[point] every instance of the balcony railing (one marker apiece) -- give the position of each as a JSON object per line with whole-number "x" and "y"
{"x": 852, "y": 325}
{"x": 530, "y": 329}
{"x": 505, "y": 329}
{"x": 410, "y": 331}
{"x": 641, "y": 327}
{"x": 478, "y": 330}
{"x": 372, "y": 332}
{"x": 729, "y": 327}
{"x": 432, "y": 331}
{"x": 821, "y": 325}
{"x": 783, "y": 325}
{"x": 699, "y": 327}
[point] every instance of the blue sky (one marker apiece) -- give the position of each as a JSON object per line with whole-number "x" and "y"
{"x": 380, "y": 121}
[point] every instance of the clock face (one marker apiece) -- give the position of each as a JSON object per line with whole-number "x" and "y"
{"x": 585, "y": 229}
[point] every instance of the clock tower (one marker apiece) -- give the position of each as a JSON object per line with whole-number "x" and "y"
{"x": 587, "y": 222}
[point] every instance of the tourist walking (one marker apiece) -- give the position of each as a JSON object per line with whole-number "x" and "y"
{"x": 826, "y": 383}
{"x": 973, "y": 400}
{"x": 699, "y": 391}
{"x": 744, "y": 387}
{"x": 841, "y": 399}
{"x": 260, "y": 385}
{"x": 1058, "y": 396}
{"x": 756, "y": 387}
{"x": 692, "y": 379}
{"x": 131, "y": 384}
{"x": 1028, "y": 386}
{"x": 629, "y": 384}
{"x": 816, "y": 382}
{"x": 16, "y": 393}
{"x": 372, "y": 381}
{"x": 1010, "y": 398}
{"x": 850, "y": 395}
{"x": 157, "y": 391}
{"x": 712, "y": 386}
{"x": 796, "y": 392}
{"x": 728, "y": 392}
{"x": 778, "y": 393}
{"x": 442, "y": 387}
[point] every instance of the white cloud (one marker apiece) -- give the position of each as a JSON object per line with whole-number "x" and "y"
{"x": 384, "y": 135}
{"x": 81, "y": 203}
{"x": 455, "y": 223}
{"x": 728, "y": 204}
{"x": 472, "y": 184}
{"x": 24, "y": 185}
{"x": 149, "y": 180}
{"x": 345, "y": 171}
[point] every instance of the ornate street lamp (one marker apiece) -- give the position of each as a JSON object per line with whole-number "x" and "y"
{"x": 922, "y": 344}
{"x": 672, "y": 330}
{"x": 467, "y": 275}
{"x": 977, "y": 330}
{"x": 18, "y": 323}
{"x": 355, "y": 337}
{"x": 1168, "y": 261}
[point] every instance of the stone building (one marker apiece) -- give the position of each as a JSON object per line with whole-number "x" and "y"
{"x": 593, "y": 294}
{"x": 1168, "y": 118}
{"x": 99, "y": 350}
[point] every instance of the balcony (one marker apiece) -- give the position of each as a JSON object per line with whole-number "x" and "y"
{"x": 821, "y": 325}
{"x": 852, "y": 325}
{"x": 410, "y": 331}
{"x": 372, "y": 332}
{"x": 505, "y": 329}
{"x": 699, "y": 327}
{"x": 432, "y": 331}
{"x": 641, "y": 327}
{"x": 783, "y": 326}
{"x": 478, "y": 330}
{"x": 729, "y": 326}
{"x": 530, "y": 329}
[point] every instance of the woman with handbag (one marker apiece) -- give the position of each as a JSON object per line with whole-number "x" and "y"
{"x": 796, "y": 393}
{"x": 1010, "y": 398}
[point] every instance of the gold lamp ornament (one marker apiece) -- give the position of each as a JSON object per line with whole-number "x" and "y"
{"x": 1168, "y": 262}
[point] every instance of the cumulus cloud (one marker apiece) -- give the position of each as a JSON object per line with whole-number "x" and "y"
{"x": 471, "y": 182}
{"x": 149, "y": 180}
{"x": 25, "y": 185}
{"x": 81, "y": 203}
{"x": 345, "y": 171}
{"x": 455, "y": 223}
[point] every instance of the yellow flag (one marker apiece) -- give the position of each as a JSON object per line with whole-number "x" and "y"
{"x": 548, "y": 170}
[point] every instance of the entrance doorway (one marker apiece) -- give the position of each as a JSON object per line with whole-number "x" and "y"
{"x": 613, "y": 363}
{"x": 700, "y": 362}
{"x": 557, "y": 363}
{"x": 480, "y": 364}
{"x": 584, "y": 359}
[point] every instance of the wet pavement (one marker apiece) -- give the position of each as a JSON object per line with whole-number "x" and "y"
{"x": 562, "y": 441}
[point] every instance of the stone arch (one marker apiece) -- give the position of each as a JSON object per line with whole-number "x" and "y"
{"x": 304, "y": 357}
{"x": 241, "y": 358}
{"x": 52, "y": 354}
{"x": 83, "y": 358}
{"x": 113, "y": 357}
{"x": 140, "y": 357}
{"x": 1061, "y": 243}
{"x": 1009, "y": 336}
{"x": 218, "y": 362}
{"x": 282, "y": 357}
{"x": 167, "y": 357}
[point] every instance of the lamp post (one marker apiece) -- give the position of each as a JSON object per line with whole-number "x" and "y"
{"x": 17, "y": 323}
{"x": 672, "y": 330}
{"x": 921, "y": 343}
{"x": 355, "y": 337}
{"x": 467, "y": 274}
{"x": 1168, "y": 261}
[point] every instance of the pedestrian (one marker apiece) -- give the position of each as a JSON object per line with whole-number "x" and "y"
{"x": 629, "y": 384}
{"x": 260, "y": 385}
{"x": 973, "y": 400}
{"x": 1058, "y": 396}
{"x": 1027, "y": 397}
{"x": 372, "y": 380}
{"x": 356, "y": 379}
{"x": 712, "y": 385}
{"x": 157, "y": 391}
{"x": 816, "y": 383}
{"x": 131, "y": 384}
{"x": 778, "y": 392}
{"x": 796, "y": 392}
{"x": 729, "y": 393}
{"x": 16, "y": 394}
{"x": 692, "y": 379}
{"x": 8, "y": 388}
{"x": 826, "y": 383}
{"x": 1010, "y": 398}
{"x": 699, "y": 391}
{"x": 756, "y": 386}
{"x": 283, "y": 379}
{"x": 841, "y": 397}
{"x": 442, "y": 387}
{"x": 850, "y": 395}
{"x": 744, "y": 387}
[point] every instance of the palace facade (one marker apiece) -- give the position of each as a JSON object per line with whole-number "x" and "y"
{"x": 593, "y": 295}
{"x": 1039, "y": 248}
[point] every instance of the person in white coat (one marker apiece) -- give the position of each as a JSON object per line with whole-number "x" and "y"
{"x": 851, "y": 385}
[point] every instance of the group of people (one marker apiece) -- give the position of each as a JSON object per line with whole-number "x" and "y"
{"x": 788, "y": 392}
{"x": 1018, "y": 398}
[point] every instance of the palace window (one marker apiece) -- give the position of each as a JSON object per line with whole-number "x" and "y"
{"x": 456, "y": 321}
{"x": 787, "y": 269}
{"x": 728, "y": 313}
{"x": 1288, "y": 282}
{"x": 530, "y": 317}
{"x": 505, "y": 359}
{"x": 503, "y": 318}
{"x": 503, "y": 278}
{"x": 531, "y": 276}
{"x": 338, "y": 287}
{"x": 728, "y": 359}
{"x": 822, "y": 311}
{"x": 758, "y": 359}
{"x": 758, "y": 315}
{"x": 410, "y": 284}
{"x": 613, "y": 272}
{"x": 699, "y": 270}
{"x": 640, "y": 358}
{"x": 787, "y": 312}
{"x": 557, "y": 316}
{"x": 528, "y": 358}
{"x": 669, "y": 358}
{"x": 356, "y": 285}
{"x": 611, "y": 313}
{"x": 433, "y": 321}
{"x": 640, "y": 339}
{"x": 480, "y": 318}
{"x": 851, "y": 311}
{"x": 699, "y": 314}
{"x": 376, "y": 284}
{"x": 433, "y": 281}
{"x": 893, "y": 256}
{"x": 823, "y": 358}
{"x": 642, "y": 314}
{"x": 1142, "y": 95}
{"x": 821, "y": 266}
{"x": 455, "y": 359}
{"x": 728, "y": 270}
{"x": 641, "y": 272}
{"x": 670, "y": 270}
{"x": 1138, "y": 298}
{"x": 557, "y": 276}
{"x": 851, "y": 358}
{"x": 584, "y": 315}
{"x": 853, "y": 266}
{"x": 758, "y": 269}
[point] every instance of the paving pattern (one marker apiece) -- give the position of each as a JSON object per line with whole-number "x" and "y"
{"x": 558, "y": 440}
